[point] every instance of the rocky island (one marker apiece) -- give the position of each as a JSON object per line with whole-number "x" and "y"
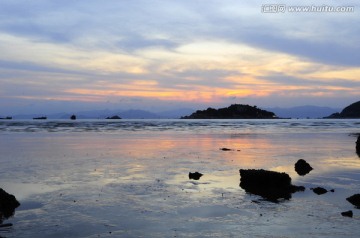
{"x": 39, "y": 118}
{"x": 351, "y": 111}
{"x": 235, "y": 111}
{"x": 116, "y": 117}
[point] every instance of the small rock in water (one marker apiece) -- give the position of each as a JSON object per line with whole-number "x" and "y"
{"x": 195, "y": 176}
{"x": 225, "y": 149}
{"x": 302, "y": 167}
{"x": 319, "y": 190}
{"x": 354, "y": 200}
{"x": 347, "y": 214}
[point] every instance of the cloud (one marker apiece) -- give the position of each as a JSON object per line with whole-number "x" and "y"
{"x": 323, "y": 52}
{"x": 30, "y": 66}
{"x": 287, "y": 80}
{"x": 134, "y": 25}
{"x": 327, "y": 38}
{"x": 174, "y": 50}
{"x": 138, "y": 42}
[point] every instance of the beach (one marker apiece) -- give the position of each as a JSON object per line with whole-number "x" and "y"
{"x": 98, "y": 179}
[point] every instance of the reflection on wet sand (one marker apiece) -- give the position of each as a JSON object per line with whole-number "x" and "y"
{"x": 138, "y": 185}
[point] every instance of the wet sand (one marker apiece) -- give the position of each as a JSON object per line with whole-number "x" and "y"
{"x": 137, "y": 184}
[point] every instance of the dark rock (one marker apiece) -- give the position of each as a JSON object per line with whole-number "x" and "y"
{"x": 5, "y": 118}
{"x": 235, "y": 111}
{"x": 354, "y": 200}
{"x": 332, "y": 190}
{"x": 6, "y": 225}
{"x": 40, "y": 118}
{"x": 225, "y": 149}
{"x": 73, "y": 117}
{"x": 347, "y": 214}
{"x": 195, "y": 176}
{"x": 319, "y": 190}
{"x": 302, "y": 167}
{"x": 358, "y": 146}
{"x": 268, "y": 184}
{"x": 116, "y": 117}
{"x": 8, "y": 203}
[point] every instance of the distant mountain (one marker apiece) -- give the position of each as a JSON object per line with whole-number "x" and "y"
{"x": 351, "y": 111}
{"x": 303, "y": 111}
{"x": 235, "y": 111}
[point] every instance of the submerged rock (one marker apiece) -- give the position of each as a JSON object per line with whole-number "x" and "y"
{"x": 302, "y": 167}
{"x": 8, "y": 203}
{"x": 347, "y": 214}
{"x": 195, "y": 176}
{"x": 319, "y": 190}
{"x": 268, "y": 184}
{"x": 354, "y": 200}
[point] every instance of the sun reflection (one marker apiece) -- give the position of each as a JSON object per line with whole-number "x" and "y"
{"x": 166, "y": 159}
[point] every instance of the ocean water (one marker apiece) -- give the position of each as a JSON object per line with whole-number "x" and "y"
{"x": 182, "y": 126}
{"x": 129, "y": 178}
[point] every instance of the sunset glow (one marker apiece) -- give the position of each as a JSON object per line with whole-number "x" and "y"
{"x": 133, "y": 51}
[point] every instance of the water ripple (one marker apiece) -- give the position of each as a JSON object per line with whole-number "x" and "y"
{"x": 199, "y": 126}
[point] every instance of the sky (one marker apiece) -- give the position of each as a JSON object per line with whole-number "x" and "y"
{"x": 67, "y": 56}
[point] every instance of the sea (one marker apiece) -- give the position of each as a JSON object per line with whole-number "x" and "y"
{"x": 130, "y": 178}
